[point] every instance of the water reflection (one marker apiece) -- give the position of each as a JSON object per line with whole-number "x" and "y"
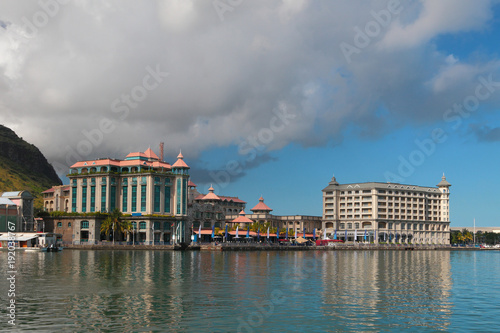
{"x": 387, "y": 289}
{"x": 327, "y": 291}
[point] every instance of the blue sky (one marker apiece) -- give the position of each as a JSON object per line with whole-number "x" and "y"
{"x": 285, "y": 92}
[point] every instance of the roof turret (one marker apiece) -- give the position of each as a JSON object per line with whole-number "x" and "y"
{"x": 443, "y": 182}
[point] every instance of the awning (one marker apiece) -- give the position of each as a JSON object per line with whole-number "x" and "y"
{"x": 18, "y": 237}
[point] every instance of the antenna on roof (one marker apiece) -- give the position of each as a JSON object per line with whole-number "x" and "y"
{"x": 161, "y": 151}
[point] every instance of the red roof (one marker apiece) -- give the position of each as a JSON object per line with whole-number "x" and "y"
{"x": 50, "y": 190}
{"x": 233, "y": 199}
{"x": 191, "y": 184}
{"x": 242, "y": 218}
{"x": 261, "y": 206}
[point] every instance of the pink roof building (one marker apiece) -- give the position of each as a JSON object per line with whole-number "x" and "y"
{"x": 261, "y": 207}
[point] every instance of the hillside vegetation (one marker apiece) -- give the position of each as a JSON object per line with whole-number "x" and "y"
{"x": 23, "y": 166}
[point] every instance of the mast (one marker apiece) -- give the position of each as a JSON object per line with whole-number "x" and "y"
{"x": 474, "y": 231}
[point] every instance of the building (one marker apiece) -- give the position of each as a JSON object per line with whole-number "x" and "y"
{"x": 210, "y": 210}
{"x": 261, "y": 213}
{"x": 17, "y": 207}
{"x": 57, "y": 198}
{"x": 151, "y": 193}
{"x": 387, "y": 212}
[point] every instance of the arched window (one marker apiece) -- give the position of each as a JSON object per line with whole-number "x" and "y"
{"x": 142, "y": 225}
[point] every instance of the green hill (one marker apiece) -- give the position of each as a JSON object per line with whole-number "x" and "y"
{"x": 23, "y": 166}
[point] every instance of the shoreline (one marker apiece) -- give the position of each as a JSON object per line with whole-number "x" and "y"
{"x": 260, "y": 247}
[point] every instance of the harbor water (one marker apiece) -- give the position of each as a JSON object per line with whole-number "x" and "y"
{"x": 276, "y": 291}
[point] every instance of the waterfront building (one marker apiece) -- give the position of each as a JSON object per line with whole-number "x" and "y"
{"x": 17, "y": 206}
{"x": 57, "y": 198}
{"x": 151, "y": 193}
{"x": 261, "y": 213}
{"x": 387, "y": 212}
{"x": 209, "y": 210}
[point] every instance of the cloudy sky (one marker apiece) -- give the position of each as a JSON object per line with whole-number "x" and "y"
{"x": 265, "y": 97}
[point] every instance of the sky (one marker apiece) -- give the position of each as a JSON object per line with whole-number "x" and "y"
{"x": 265, "y": 97}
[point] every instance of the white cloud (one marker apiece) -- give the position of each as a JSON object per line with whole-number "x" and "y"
{"x": 226, "y": 78}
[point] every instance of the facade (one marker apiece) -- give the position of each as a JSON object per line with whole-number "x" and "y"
{"x": 262, "y": 213}
{"x": 151, "y": 193}
{"x": 387, "y": 212}
{"x": 17, "y": 207}
{"x": 210, "y": 210}
{"x": 57, "y": 198}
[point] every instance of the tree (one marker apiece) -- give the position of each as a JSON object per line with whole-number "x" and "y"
{"x": 114, "y": 223}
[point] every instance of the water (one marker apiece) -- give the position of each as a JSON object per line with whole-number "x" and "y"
{"x": 310, "y": 291}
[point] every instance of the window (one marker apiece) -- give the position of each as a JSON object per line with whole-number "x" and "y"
{"x": 85, "y": 224}
{"x": 142, "y": 225}
{"x": 112, "y": 199}
{"x": 103, "y": 197}
{"x": 356, "y": 225}
{"x": 134, "y": 198}
{"x": 143, "y": 198}
{"x": 84, "y": 199}
{"x": 156, "y": 201}
{"x": 73, "y": 199}
{"x": 178, "y": 199}
{"x": 59, "y": 224}
{"x": 92, "y": 198}
{"x": 167, "y": 199}
{"x": 342, "y": 225}
{"x": 349, "y": 225}
{"x": 124, "y": 198}
{"x": 69, "y": 224}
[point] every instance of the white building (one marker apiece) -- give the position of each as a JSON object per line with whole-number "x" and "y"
{"x": 387, "y": 212}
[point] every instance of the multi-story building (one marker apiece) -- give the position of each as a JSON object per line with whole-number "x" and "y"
{"x": 57, "y": 198}
{"x": 387, "y": 212}
{"x": 17, "y": 207}
{"x": 152, "y": 191}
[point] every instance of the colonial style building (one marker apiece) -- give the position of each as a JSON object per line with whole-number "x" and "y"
{"x": 152, "y": 192}
{"x": 387, "y": 212}
{"x": 262, "y": 213}
{"x": 57, "y": 198}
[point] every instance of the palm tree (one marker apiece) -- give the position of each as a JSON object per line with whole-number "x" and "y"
{"x": 114, "y": 223}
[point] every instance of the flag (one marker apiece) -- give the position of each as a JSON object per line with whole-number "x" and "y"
{"x": 213, "y": 231}
{"x": 226, "y": 232}
{"x": 304, "y": 233}
{"x": 248, "y": 231}
{"x": 355, "y": 235}
{"x": 324, "y": 233}
{"x": 258, "y": 234}
{"x": 199, "y": 233}
{"x": 286, "y": 235}
{"x": 295, "y": 232}
{"x": 365, "y": 235}
{"x": 385, "y": 236}
{"x": 335, "y": 234}
{"x": 314, "y": 234}
{"x": 267, "y": 232}
{"x": 345, "y": 235}
{"x": 237, "y": 231}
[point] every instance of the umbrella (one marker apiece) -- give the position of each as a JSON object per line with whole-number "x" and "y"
{"x": 213, "y": 231}
{"x": 226, "y": 232}
{"x": 314, "y": 234}
{"x": 237, "y": 231}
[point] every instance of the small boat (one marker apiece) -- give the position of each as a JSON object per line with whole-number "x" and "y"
{"x": 54, "y": 248}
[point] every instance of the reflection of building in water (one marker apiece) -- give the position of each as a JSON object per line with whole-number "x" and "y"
{"x": 387, "y": 212}
{"x": 369, "y": 289}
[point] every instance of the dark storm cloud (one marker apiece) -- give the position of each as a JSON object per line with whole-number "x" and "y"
{"x": 105, "y": 78}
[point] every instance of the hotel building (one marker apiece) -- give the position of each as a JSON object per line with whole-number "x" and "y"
{"x": 151, "y": 192}
{"x": 387, "y": 212}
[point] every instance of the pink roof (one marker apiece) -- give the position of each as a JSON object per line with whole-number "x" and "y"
{"x": 149, "y": 153}
{"x": 242, "y": 218}
{"x": 261, "y": 206}
{"x": 136, "y": 154}
{"x": 50, "y": 190}
{"x": 211, "y": 195}
{"x": 234, "y": 199}
{"x": 120, "y": 163}
{"x": 180, "y": 162}
{"x": 191, "y": 184}
{"x": 203, "y": 232}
